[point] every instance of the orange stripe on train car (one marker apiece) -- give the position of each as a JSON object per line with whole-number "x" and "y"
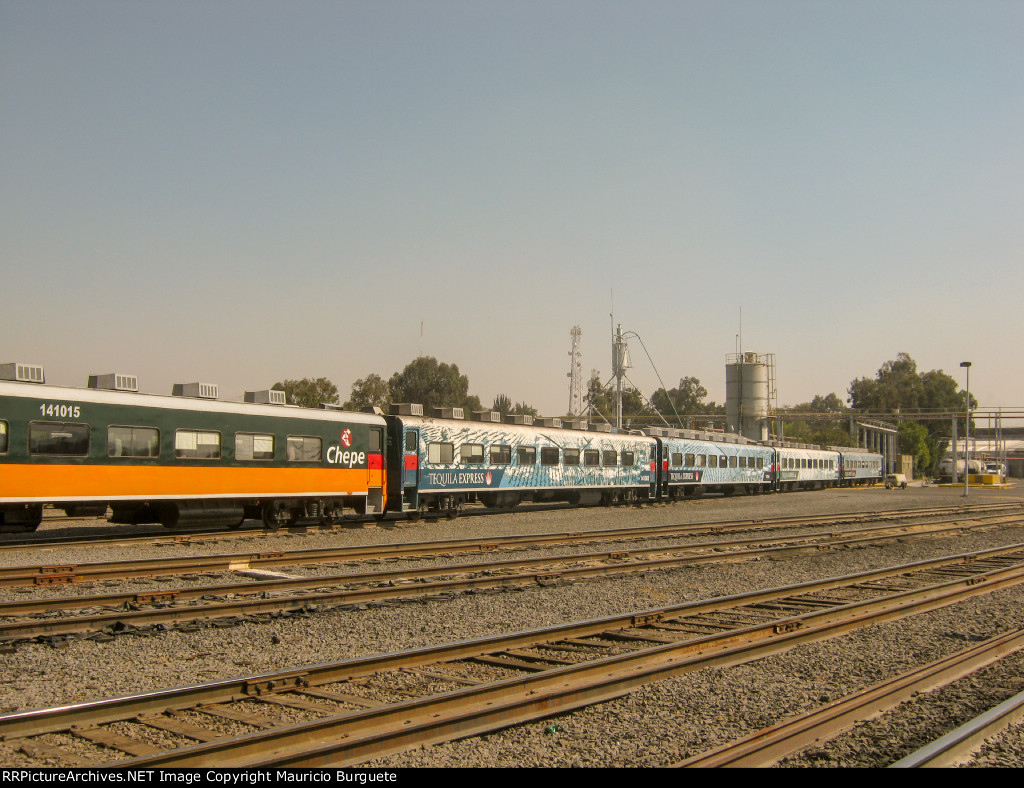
{"x": 60, "y": 482}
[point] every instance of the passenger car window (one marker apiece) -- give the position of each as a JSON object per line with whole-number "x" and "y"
{"x": 58, "y": 439}
{"x": 196, "y": 445}
{"x": 441, "y": 453}
{"x": 571, "y": 456}
{"x": 472, "y": 453}
{"x": 133, "y": 442}
{"x": 527, "y": 455}
{"x": 304, "y": 448}
{"x": 253, "y": 446}
{"x": 501, "y": 455}
{"x": 549, "y": 455}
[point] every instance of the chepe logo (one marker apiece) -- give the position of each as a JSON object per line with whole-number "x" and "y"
{"x": 346, "y": 438}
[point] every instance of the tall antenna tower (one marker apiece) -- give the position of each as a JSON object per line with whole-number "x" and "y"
{"x": 575, "y": 374}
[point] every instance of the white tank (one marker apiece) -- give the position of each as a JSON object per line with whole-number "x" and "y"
{"x": 746, "y": 395}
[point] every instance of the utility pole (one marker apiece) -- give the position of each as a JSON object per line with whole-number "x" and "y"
{"x": 620, "y": 363}
{"x": 575, "y": 374}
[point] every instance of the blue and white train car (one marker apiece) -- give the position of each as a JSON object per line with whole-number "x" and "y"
{"x": 806, "y": 468}
{"x": 691, "y": 466}
{"x": 448, "y": 461}
{"x": 859, "y": 467}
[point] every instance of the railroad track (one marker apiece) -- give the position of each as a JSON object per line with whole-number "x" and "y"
{"x": 206, "y": 535}
{"x": 140, "y": 611}
{"x": 957, "y": 746}
{"x": 68, "y": 573}
{"x": 347, "y": 712}
{"x": 767, "y": 746}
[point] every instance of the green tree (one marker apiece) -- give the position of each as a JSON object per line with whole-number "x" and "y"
{"x": 522, "y": 409}
{"x": 817, "y": 430}
{"x": 433, "y": 384}
{"x": 830, "y": 403}
{"x": 687, "y": 399}
{"x": 914, "y": 440}
{"x": 309, "y": 393}
{"x": 371, "y": 391}
{"x": 900, "y": 389}
{"x": 600, "y": 399}
{"x": 502, "y": 404}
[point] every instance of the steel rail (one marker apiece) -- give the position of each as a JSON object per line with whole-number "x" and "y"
{"x": 769, "y": 745}
{"x": 350, "y": 738}
{"x": 268, "y": 584}
{"x": 10, "y": 542}
{"x": 957, "y": 746}
{"x": 773, "y": 608}
{"x": 194, "y": 605}
{"x": 70, "y": 572}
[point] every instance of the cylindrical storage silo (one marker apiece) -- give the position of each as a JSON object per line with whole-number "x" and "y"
{"x": 746, "y": 396}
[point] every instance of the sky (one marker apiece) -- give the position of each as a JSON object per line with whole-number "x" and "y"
{"x": 245, "y": 192}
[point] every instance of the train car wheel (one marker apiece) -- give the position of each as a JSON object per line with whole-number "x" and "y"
{"x": 275, "y": 514}
{"x": 333, "y": 512}
{"x": 22, "y": 519}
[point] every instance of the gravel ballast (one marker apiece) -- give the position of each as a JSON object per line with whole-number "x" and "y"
{"x": 656, "y": 725}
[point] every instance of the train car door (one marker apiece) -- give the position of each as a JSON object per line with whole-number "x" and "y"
{"x": 410, "y": 469}
{"x": 659, "y": 471}
{"x": 375, "y": 472}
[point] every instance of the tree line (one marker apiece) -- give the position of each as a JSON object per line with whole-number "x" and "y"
{"x": 897, "y": 392}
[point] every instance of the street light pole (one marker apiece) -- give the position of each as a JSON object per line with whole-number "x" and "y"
{"x": 967, "y": 432}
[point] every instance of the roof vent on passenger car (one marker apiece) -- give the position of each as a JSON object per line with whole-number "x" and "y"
{"x": 492, "y": 416}
{"x": 547, "y": 421}
{"x": 114, "y": 382}
{"x": 518, "y": 418}
{"x": 267, "y": 397}
{"x": 449, "y": 413}
{"x": 575, "y": 424}
{"x": 23, "y": 373}
{"x": 406, "y": 409}
{"x": 197, "y": 390}
{"x": 595, "y": 427}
